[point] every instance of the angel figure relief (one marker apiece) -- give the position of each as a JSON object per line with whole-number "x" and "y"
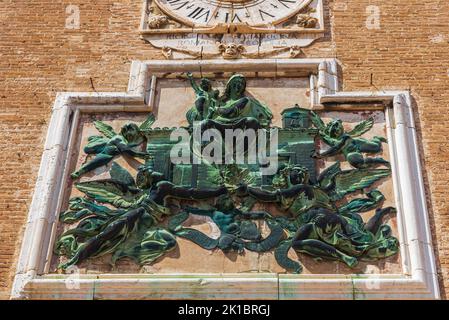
{"x": 349, "y": 143}
{"x": 111, "y": 144}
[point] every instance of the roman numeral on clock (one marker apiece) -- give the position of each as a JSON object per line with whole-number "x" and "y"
{"x": 284, "y": 2}
{"x": 178, "y": 3}
{"x": 205, "y": 12}
{"x": 262, "y": 13}
{"x": 236, "y": 17}
{"x": 198, "y": 13}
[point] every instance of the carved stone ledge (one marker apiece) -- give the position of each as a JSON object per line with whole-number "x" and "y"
{"x": 233, "y": 51}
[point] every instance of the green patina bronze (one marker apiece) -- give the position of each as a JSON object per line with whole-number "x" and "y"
{"x": 348, "y": 144}
{"x": 111, "y": 144}
{"x": 234, "y": 109}
{"x": 206, "y": 100}
{"x": 141, "y": 217}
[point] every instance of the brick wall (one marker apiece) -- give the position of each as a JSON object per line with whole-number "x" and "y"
{"x": 39, "y": 57}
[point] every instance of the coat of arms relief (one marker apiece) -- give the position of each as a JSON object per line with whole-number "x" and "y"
{"x": 316, "y": 188}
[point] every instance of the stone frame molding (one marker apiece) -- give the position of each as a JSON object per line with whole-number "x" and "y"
{"x": 418, "y": 280}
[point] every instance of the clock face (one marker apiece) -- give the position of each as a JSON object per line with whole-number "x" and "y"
{"x": 207, "y": 13}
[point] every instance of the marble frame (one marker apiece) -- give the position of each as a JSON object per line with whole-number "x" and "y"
{"x": 418, "y": 280}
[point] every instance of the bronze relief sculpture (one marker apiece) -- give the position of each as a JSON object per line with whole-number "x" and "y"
{"x": 137, "y": 217}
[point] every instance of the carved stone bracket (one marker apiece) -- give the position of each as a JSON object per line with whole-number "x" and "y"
{"x": 307, "y": 18}
{"x": 157, "y": 20}
{"x": 232, "y": 51}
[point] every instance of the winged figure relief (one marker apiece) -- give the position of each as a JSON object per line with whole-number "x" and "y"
{"x": 349, "y": 143}
{"x": 111, "y": 144}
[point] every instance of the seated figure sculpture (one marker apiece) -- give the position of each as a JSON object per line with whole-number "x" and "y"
{"x": 232, "y": 110}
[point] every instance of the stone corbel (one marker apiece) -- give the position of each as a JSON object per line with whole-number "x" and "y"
{"x": 305, "y": 19}
{"x": 159, "y": 20}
